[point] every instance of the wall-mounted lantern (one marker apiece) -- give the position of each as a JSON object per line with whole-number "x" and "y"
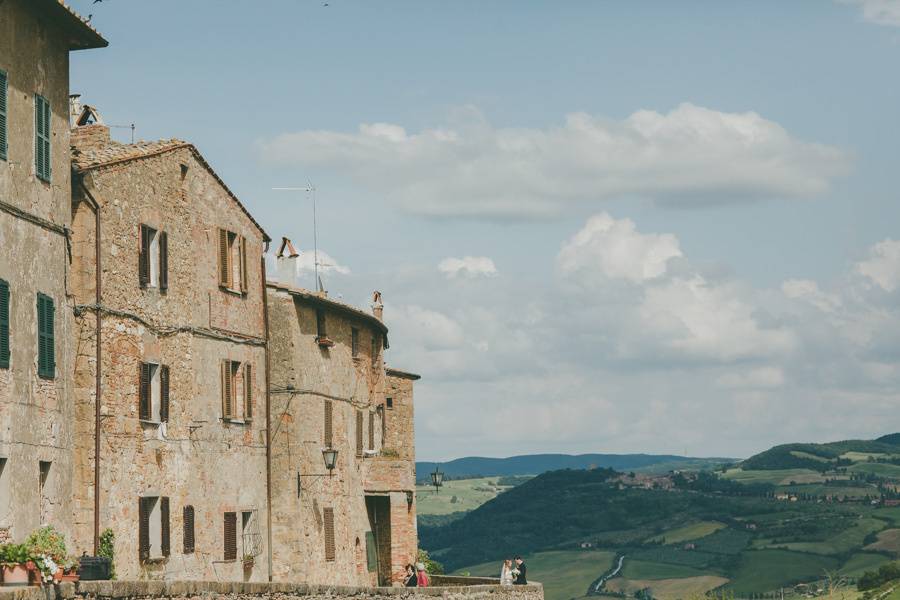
{"x": 437, "y": 479}
{"x": 330, "y": 457}
{"x": 410, "y": 496}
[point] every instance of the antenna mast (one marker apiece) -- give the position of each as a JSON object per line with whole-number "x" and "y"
{"x": 309, "y": 189}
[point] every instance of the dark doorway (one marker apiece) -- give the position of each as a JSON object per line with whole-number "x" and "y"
{"x": 378, "y": 538}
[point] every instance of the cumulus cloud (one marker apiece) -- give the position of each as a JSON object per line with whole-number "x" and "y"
{"x": 689, "y": 156}
{"x": 614, "y": 249}
{"x": 297, "y": 271}
{"x": 883, "y": 264}
{"x": 764, "y": 377}
{"x": 879, "y": 12}
{"x": 467, "y": 266}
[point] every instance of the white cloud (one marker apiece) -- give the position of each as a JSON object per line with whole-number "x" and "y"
{"x": 808, "y": 290}
{"x": 297, "y": 271}
{"x": 467, "y": 266}
{"x": 879, "y": 12}
{"x": 764, "y": 377}
{"x": 883, "y": 264}
{"x": 688, "y": 156}
{"x": 616, "y": 250}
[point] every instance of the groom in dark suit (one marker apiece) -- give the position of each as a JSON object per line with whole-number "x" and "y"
{"x": 520, "y": 578}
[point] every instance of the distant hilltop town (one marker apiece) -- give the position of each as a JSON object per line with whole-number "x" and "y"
{"x": 156, "y": 385}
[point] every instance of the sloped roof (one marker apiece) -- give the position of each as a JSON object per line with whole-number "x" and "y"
{"x": 326, "y": 302}
{"x": 81, "y": 35}
{"x": 392, "y": 372}
{"x": 114, "y": 153}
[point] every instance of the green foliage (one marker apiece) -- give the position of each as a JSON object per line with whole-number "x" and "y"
{"x": 431, "y": 566}
{"x": 14, "y": 554}
{"x": 108, "y": 549}
{"x": 513, "y": 480}
{"x": 873, "y": 579}
{"x": 48, "y": 541}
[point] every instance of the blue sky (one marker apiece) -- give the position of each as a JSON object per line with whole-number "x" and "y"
{"x": 598, "y": 226}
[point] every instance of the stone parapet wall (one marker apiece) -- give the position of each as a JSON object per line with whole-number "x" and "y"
{"x": 187, "y": 590}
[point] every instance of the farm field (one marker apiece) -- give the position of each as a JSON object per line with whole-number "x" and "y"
{"x": 888, "y": 541}
{"x": 861, "y": 562}
{"x": 565, "y": 574}
{"x": 642, "y": 569}
{"x": 880, "y": 469}
{"x": 775, "y": 477}
{"x": 469, "y": 494}
{"x": 764, "y": 570}
{"x": 669, "y": 589}
{"x": 688, "y": 532}
{"x": 841, "y": 542}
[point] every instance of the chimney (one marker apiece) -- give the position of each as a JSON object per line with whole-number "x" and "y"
{"x": 88, "y": 130}
{"x": 74, "y": 108}
{"x": 377, "y": 305}
{"x": 286, "y": 262}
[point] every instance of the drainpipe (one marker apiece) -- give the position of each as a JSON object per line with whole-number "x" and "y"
{"x": 268, "y": 416}
{"x": 97, "y": 300}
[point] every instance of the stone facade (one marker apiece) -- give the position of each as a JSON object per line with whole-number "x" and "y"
{"x": 328, "y": 391}
{"x": 36, "y": 436}
{"x": 168, "y": 317}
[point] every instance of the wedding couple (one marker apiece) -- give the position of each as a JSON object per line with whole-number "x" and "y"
{"x": 513, "y": 575}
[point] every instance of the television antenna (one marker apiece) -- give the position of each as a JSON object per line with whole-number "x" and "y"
{"x": 310, "y": 189}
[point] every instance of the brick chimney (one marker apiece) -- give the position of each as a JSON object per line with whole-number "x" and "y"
{"x": 286, "y": 262}
{"x": 89, "y": 137}
{"x": 377, "y": 305}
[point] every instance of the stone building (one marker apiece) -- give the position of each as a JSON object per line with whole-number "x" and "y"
{"x": 170, "y": 361}
{"x": 354, "y": 524}
{"x": 36, "y": 435}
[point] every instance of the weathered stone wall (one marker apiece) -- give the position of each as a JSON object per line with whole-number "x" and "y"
{"x": 35, "y": 414}
{"x": 304, "y": 378}
{"x": 186, "y": 590}
{"x": 196, "y": 459}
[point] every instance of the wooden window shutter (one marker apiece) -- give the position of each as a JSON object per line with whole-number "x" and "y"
{"x": 4, "y": 324}
{"x": 224, "y": 259}
{"x": 227, "y": 390}
{"x": 243, "y": 251}
{"x": 3, "y": 112}
{"x": 230, "y": 541}
{"x": 143, "y": 530}
{"x": 165, "y": 539}
{"x": 46, "y": 342}
{"x": 328, "y": 518}
{"x": 163, "y": 260}
{"x": 371, "y": 430}
{"x": 329, "y": 424}
{"x": 248, "y": 392}
{"x": 144, "y": 256}
{"x": 359, "y": 433}
{"x": 144, "y": 391}
{"x": 188, "y": 536}
{"x": 321, "y": 331}
{"x": 371, "y": 552}
{"x": 164, "y": 393}
{"x": 42, "y": 138}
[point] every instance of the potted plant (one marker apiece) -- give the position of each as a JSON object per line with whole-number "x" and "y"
{"x": 248, "y": 561}
{"x": 14, "y": 559}
{"x": 68, "y": 570}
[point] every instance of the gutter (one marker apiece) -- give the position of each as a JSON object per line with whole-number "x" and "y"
{"x": 95, "y": 206}
{"x": 265, "y": 303}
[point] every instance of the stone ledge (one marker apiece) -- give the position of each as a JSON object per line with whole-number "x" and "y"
{"x": 190, "y": 589}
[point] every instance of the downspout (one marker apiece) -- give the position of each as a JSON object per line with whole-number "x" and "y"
{"x": 97, "y": 300}
{"x": 268, "y": 416}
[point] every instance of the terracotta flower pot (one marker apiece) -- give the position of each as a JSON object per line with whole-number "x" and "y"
{"x": 15, "y": 575}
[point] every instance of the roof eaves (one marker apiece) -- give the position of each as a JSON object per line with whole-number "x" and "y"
{"x": 177, "y": 145}
{"x": 85, "y": 36}
{"x": 325, "y": 301}
{"x": 402, "y": 374}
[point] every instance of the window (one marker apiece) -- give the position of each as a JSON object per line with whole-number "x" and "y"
{"x": 4, "y": 487}
{"x": 237, "y": 391}
{"x": 3, "y": 111}
{"x": 44, "y": 468}
{"x": 359, "y": 433}
{"x": 250, "y": 537}
{"x": 371, "y": 431}
{"x": 321, "y": 329}
{"x": 389, "y": 402}
{"x": 153, "y": 403}
{"x": 329, "y": 424}
{"x": 328, "y": 518}
{"x": 46, "y": 346}
{"x": 42, "y": 138}
{"x": 230, "y": 537}
{"x": 4, "y": 325}
{"x": 232, "y": 261}
{"x": 354, "y": 342}
{"x": 153, "y": 528}
{"x": 188, "y": 522}
{"x": 153, "y": 270}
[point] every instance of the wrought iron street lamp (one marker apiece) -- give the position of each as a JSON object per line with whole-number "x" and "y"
{"x": 437, "y": 479}
{"x": 330, "y": 456}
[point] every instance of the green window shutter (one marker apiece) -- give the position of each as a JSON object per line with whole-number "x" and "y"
{"x": 4, "y": 325}
{"x": 46, "y": 344}
{"x": 4, "y": 92}
{"x": 42, "y": 137}
{"x": 371, "y": 552}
